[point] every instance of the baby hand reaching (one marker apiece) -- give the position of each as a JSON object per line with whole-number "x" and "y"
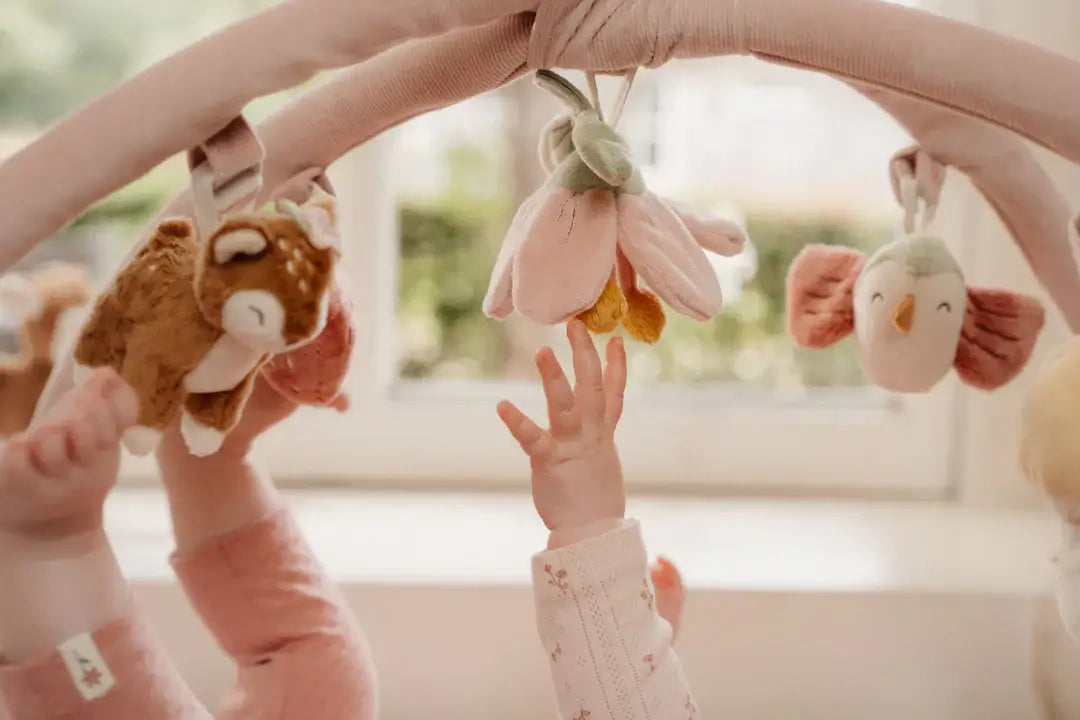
{"x": 670, "y": 593}
{"x": 54, "y": 478}
{"x": 577, "y": 479}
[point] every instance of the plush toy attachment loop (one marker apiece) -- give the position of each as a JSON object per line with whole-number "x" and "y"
{"x": 620, "y": 99}
{"x": 623, "y": 96}
{"x": 226, "y": 174}
{"x": 300, "y": 187}
{"x": 594, "y": 94}
{"x": 917, "y": 178}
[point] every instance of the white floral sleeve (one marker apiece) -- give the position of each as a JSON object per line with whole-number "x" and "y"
{"x": 610, "y": 652}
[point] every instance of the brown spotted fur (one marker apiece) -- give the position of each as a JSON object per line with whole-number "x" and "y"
{"x": 269, "y": 271}
{"x": 163, "y": 312}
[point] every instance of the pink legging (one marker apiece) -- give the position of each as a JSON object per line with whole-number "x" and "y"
{"x": 267, "y": 602}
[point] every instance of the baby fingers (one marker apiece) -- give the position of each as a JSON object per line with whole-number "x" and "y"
{"x": 113, "y": 405}
{"x": 563, "y": 415}
{"x": 588, "y": 375}
{"x": 615, "y": 380}
{"x": 15, "y": 466}
{"x": 50, "y": 451}
{"x": 533, "y": 440}
{"x": 86, "y": 432}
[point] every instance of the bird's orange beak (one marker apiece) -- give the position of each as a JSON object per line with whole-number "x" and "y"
{"x": 904, "y": 314}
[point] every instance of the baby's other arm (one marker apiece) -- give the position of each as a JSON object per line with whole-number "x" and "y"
{"x": 244, "y": 563}
{"x": 609, "y": 650}
{"x": 75, "y": 645}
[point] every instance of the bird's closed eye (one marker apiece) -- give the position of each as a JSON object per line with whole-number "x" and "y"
{"x": 946, "y": 306}
{"x": 876, "y": 296}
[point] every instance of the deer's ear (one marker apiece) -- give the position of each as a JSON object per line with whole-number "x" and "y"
{"x": 324, "y": 201}
{"x": 20, "y": 299}
{"x": 820, "y": 294}
{"x": 229, "y": 244}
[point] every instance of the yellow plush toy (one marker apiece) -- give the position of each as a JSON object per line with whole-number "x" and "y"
{"x": 1050, "y": 434}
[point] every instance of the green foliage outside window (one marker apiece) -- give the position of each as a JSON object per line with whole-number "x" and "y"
{"x": 447, "y": 250}
{"x": 56, "y": 55}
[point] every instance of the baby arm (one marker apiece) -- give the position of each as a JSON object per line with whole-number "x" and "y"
{"x": 610, "y": 651}
{"x": 74, "y": 645}
{"x": 244, "y": 564}
{"x": 597, "y": 613}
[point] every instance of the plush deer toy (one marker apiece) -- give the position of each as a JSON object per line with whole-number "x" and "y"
{"x": 189, "y": 324}
{"x": 40, "y": 302}
{"x": 912, "y": 315}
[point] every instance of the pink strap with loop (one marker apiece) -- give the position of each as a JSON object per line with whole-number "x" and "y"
{"x": 299, "y": 187}
{"x": 927, "y": 172}
{"x": 226, "y": 174}
{"x": 916, "y": 176}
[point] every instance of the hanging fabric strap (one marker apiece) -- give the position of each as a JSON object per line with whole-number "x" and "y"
{"x": 620, "y": 99}
{"x": 302, "y": 186}
{"x": 917, "y": 179}
{"x": 226, "y": 174}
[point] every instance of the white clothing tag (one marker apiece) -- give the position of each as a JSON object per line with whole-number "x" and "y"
{"x": 88, "y": 670}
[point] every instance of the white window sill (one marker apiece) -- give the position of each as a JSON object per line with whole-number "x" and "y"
{"x": 389, "y": 538}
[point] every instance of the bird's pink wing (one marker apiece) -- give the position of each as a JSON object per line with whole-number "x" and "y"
{"x": 998, "y": 337}
{"x": 820, "y": 294}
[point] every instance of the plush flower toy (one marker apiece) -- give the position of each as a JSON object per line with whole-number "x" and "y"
{"x": 582, "y": 244}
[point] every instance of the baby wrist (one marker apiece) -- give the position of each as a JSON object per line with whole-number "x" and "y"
{"x": 63, "y": 538}
{"x": 562, "y": 537}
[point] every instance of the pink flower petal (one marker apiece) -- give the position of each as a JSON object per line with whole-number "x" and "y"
{"x": 715, "y": 234}
{"x": 499, "y": 301}
{"x": 667, "y": 257}
{"x": 567, "y": 255}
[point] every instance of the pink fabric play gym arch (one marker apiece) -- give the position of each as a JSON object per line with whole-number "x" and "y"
{"x": 418, "y": 55}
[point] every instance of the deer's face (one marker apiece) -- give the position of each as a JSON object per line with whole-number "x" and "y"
{"x": 264, "y": 281}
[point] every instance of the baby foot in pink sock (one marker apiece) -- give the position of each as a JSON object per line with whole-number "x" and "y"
{"x": 670, "y": 593}
{"x": 54, "y": 477}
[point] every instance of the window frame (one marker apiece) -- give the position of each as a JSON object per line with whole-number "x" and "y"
{"x": 829, "y": 442}
{"x": 437, "y": 433}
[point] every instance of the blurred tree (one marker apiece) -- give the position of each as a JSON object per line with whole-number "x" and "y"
{"x": 56, "y": 54}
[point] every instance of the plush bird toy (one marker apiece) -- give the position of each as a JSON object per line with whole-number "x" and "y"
{"x": 912, "y": 314}
{"x": 581, "y": 244}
